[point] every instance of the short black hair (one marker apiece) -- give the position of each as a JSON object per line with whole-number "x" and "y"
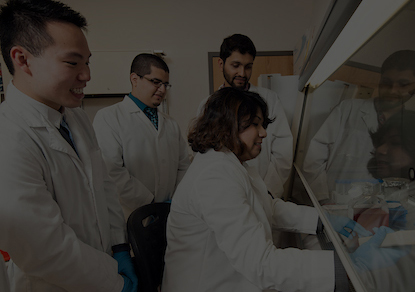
{"x": 142, "y": 63}
{"x": 237, "y": 42}
{"x": 23, "y": 23}
{"x": 400, "y": 60}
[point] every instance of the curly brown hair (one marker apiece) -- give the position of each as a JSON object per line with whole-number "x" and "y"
{"x": 227, "y": 113}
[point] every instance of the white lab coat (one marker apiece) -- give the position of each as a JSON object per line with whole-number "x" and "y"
{"x": 146, "y": 164}
{"x": 4, "y": 280}
{"x": 59, "y": 214}
{"x": 342, "y": 146}
{"x": 219, "y": 234}
{"x": 275, "y": 160}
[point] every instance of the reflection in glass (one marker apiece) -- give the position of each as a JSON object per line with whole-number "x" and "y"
{"x": 338, "y": 154}
{"x": 359, "y": 154}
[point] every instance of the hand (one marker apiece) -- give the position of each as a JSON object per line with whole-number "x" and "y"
{"x": 128, "y": 285}
{"x": 397, "y": 216}
{"x": 371, "y": 256}
{"x": 126, "y": 269}
{"x": 339, "y": 224}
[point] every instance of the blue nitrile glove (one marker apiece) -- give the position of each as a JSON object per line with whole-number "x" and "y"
{"x": 339, "y": 224}
{"x": 126, "y": 267}
{"x": 371, "y": 256}
{"x": 128, "y": 285}
{"x": 397, "y": 217}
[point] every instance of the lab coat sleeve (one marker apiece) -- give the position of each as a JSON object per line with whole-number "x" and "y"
{"x": 294, "y": 218}
{"x": 281, "y": 156}
{"x": 242, "y": 237}
{"x": 116, "y": 219}
{"x": 318, "y": 154}
{"x": 118, "y": 229}
{"x": 132, "y": 191}
{"x": 38, "y": 240}
{"x": 184, "y": 160}
{"x": 4, "y": 281}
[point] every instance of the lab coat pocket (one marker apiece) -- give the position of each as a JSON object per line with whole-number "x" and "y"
{"x": 98, "y": 169}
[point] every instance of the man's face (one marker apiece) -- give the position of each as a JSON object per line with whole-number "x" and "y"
{"x": 395, "y": 88}
{"x": 59, "y": 74}
{"x": 146, "y": 91}
{"x": 237, "y": 69}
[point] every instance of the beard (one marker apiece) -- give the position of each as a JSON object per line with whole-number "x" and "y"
{"x": 231, "y": 81}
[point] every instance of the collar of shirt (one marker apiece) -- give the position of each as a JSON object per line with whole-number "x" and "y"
{"x": 50, "y": 114}
{"x": 138, "y": 102}
{"x": 384, "y": 116}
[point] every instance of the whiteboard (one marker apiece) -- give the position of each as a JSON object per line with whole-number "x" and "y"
{"x": 110, "y": 71}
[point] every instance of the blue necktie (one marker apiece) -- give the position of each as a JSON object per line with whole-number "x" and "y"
{"x": 151, "y": 113}
{"x": 66, "y": 134}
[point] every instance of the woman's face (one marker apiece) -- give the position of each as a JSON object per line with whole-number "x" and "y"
{"x": 252, "y": 138}
{"x": 392, "y": 160}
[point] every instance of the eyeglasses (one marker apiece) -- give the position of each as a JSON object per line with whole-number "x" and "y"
{"x": 157, "y": 83}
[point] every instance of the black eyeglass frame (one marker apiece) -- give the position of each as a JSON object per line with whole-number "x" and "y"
{"x": 156, "y": 82}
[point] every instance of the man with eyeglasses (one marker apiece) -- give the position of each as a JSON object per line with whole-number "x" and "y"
{"x": 143, "y": 148}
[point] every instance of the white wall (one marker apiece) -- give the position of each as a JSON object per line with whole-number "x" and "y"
{"x": 187, "y": 30}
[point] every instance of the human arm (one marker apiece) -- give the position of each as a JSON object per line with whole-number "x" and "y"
{"x": 184, "y": 160}
{"x": 318, "y": 153}
{"x": 133, "y": 193}
{"x": 281, "y": 150}
{"x": 370, "y": 256}
{"x": 4, "y": 281}
{"x": 32, "y": 218}
{"x": 236, "y": 217}
{"x": 126, "y": 269}
{"x": 294, "y": 218}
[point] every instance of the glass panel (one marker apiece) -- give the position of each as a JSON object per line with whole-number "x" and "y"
{"x": 357, "y": 153}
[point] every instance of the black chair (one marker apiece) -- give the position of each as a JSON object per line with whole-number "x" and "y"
{"x": 147, "y": 235}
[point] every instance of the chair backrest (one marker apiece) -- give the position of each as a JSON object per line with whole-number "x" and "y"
{"x": 147, "y": 235}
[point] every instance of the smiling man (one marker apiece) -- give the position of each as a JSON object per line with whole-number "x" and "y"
{"x": 342, "y": 147}
{"x": 143, "y": 148}
{"x": 237, "y": 54}
{"x": 60, "y": 218}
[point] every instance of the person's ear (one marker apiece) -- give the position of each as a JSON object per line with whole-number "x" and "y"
{"x": 133, "y": 79}
{"x": 20, "y": 58}
{"x": 221, "y": 64}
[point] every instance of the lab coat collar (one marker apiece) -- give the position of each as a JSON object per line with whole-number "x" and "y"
{"x": 231, "y": 156}
{"x": 130, "y": 106}
{"x": 368, "y": 106}
{"x": 369, "y": 115}
{"x": 17, "y": 98}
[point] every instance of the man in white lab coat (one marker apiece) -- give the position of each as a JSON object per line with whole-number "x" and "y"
{"x": 237, "y": 54}
{"x": 342, "y": 147}
{"x": 143, "y": 148}
{"x": 59, "y": 213}
{"x": 4, "y": 280}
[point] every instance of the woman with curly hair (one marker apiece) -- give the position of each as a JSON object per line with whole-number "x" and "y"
{"x": 219, "y": 229}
